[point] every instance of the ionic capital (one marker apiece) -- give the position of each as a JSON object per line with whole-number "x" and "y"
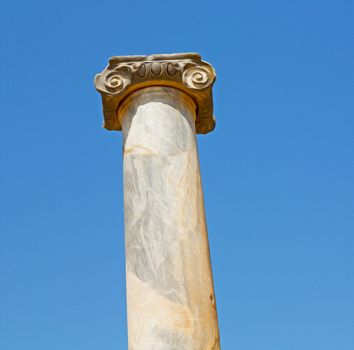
{"x": 185, "y": 71}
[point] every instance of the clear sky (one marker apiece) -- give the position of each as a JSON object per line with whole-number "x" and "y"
{"x": 277, "y": 171}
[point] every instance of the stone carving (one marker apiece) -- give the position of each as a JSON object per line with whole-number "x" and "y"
{"x": 186, "y": 72}
{"x": 160, "y": 102}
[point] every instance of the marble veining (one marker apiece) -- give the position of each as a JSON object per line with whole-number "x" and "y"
{"x": 170, "y": 293}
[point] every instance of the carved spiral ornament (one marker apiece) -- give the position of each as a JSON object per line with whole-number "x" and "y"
{"x": 116, "y": 82}
{"x": 196, "y": 78}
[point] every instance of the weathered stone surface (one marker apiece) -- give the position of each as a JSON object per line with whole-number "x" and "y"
{"x": 184, "y": 71}
{"x": 170, "y": 294}
{"x": 160, "y": 102}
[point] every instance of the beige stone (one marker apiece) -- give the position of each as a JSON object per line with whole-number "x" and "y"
{"x": 185, "y": 72}
{"x": 170, "y": 293}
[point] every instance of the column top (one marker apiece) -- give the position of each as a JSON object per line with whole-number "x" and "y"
{"x": 184, "y": 71}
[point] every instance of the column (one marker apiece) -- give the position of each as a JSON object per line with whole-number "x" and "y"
{"x": 160, "y": 102}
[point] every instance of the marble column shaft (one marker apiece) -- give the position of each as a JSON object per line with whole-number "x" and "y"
{"x": 170, "y": 294}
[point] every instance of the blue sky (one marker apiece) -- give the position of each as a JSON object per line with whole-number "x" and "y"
{"x": 277, "y": 171}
